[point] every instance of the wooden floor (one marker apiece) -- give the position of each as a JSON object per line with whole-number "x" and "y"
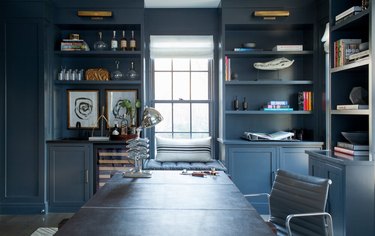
{"x": 24, "y": 225}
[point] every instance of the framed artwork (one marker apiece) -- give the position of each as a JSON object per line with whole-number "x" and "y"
{"x": 83, "y": 108}
{"x": 115, "y": 112}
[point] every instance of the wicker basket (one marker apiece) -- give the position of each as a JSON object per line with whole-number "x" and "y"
{"x": 97, "y": 74}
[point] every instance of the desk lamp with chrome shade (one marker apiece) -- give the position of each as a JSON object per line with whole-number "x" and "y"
{"x": 138, "y": 147}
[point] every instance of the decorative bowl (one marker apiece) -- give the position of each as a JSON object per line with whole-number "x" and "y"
{"x": 356, "y": 137}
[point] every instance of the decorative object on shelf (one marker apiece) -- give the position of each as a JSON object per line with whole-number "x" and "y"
{"x": 271, "y": 15}
{"x": 236, "y": 105}
{"x": 132, "y": 74}
{"x": 244, "y": 104}
{"x": 359, "y": 95}
{"x": 234, "y": 76}
{"x": 123, "y": 42}
{"x": 131, "y": 112}
{"x": 74, "y": 45}
{"x": 276, "y": 64}
{"x": 357, "y": 137}
{"x": 354, "y": 10}
{"x": 97, "y": 74}
{"x": 132, "y": 43}
{"x": 114, "y": 42}
{"x": 279, "y": 135}
{"x": 117, "y": 74}
{"x": 70, "y": 74}
{"x": 116, "y": 112}
{"x": 100, "y": 45}
{"x": 95, "y": 15}
{"x": 83, "y": 108}
{"x": 364, "y": 4}
{"x": 100, "y": 121}
{"x": 138, "y": 147}
{"x": 249, "y": 45}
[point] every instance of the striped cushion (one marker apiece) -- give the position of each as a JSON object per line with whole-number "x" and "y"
{"x": 189, "y": 150}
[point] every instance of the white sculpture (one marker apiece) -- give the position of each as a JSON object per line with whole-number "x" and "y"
{"x": 276, "y": 64}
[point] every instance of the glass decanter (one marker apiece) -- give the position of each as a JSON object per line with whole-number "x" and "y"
{"x": 132, "y": 74}
{"x": 117, "y": 74}
{"x": 100, "y": 45}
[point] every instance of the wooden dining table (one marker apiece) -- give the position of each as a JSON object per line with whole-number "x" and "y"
{"x": 168, "y": 203}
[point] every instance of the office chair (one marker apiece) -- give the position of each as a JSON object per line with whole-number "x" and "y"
{"x": 297, "y": 204}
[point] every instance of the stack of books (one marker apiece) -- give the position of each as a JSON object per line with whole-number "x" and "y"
{"x": 288, "y": 47}
{"x": 351, "y": 151}
{"x": 348, "y": 13}
{"x": 73, "y": 45}
{"x": 305, "y": 101}
{"x": 277, "y": 106}
{"x": 343, "y": 48}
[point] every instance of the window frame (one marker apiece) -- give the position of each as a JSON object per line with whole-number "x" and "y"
{"x": 209, "y": 100}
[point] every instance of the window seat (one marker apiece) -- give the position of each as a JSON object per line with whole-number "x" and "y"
{"x": 152, "y": 164}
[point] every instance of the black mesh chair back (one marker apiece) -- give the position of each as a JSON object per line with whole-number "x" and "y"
{"x": 298, "y": 194}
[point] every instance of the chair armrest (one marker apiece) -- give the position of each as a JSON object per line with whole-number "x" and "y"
{"x": 257, "y": 195}
{"x": 328, "y": 216}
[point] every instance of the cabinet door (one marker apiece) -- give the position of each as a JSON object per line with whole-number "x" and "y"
{"x": 336, "y": 197}
{"x": 252, "y": 170}
{"x": 295, "y": 160}
{"x": 70, "y": 176}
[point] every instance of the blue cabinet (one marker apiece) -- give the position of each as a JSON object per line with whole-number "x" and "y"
{"x": 251, "y": 169}
{"x": 70, "y": 176}
{"x": 351, "y": 195}
{"x": 252, "y": 165}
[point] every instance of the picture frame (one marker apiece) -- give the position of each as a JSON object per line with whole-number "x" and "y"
{"x": 83, "y": 107}
{"x": 116, "y": 113}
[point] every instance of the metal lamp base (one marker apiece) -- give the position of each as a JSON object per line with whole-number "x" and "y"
{"x": 137, "y": 174}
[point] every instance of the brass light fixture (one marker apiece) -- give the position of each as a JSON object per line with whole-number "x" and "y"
{"x": 271, "y": 15}
{"x": 95, "y": 15}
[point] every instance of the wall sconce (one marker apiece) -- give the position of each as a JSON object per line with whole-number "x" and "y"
{"x": 271, "y": 15}
{"x": 95, "y": 15}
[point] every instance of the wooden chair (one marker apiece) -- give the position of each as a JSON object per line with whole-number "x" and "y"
{"x": 297, "y": 204}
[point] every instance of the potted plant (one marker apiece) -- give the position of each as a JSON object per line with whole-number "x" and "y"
{"x": 131, "y": 111}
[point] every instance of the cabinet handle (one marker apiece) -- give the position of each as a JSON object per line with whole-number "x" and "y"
{"x": 86, "y": 176}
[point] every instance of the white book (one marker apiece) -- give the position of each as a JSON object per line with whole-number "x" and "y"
{"x": 348, "y": 12}
{"x": 359, "y": 55}
{"x": 288, "y": 47}
{"x": 351, "y": 107}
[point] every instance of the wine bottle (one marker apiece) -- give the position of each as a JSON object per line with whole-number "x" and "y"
{"x": 123, "y": 42}
{"x": 132, "y": 42}
{"x": 114, "y": 42}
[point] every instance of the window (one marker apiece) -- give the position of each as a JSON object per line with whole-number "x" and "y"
{"x": 182, "y": 78}
{"x": 182, "y": 93}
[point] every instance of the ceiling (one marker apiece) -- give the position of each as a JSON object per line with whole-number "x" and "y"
{"x": 182, "y": 3}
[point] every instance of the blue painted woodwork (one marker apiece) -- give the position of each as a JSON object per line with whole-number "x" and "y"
{"x": 22, "y": 73}
{"x": 351, "y": 195}
{"x": 70, "y": 176}
{"x": 252, "y": 165}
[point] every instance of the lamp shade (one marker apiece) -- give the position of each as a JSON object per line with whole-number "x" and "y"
{"x": 151, "y": 117}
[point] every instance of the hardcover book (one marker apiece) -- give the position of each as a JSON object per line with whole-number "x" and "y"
{"x": 353, "y": 146}
{"x": 348, "y": 12}
{"x": 283, "y": 48}
{"x": 351, "y": 107}
{"x": 351, "y": 152}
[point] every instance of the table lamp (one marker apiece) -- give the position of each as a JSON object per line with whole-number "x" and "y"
{"x": 138, "y": 147}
